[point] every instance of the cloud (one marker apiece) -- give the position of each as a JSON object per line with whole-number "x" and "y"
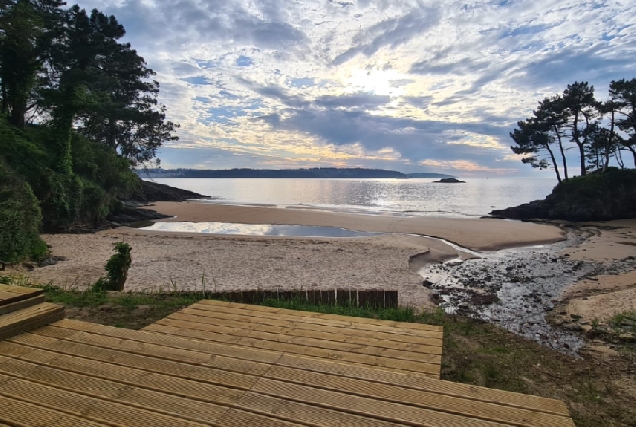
{"x": 390, "y": 33}
{"x": 355, "y": 100}
{"x": 411, "y": 85}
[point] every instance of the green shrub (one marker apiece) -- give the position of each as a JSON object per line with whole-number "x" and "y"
{"x": 116, "y": 269}
{"x": 20, "y": 220}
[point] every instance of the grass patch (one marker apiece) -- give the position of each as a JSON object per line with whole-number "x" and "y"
{"x": 400, "y": 314}
{"x": 625, "y": 321}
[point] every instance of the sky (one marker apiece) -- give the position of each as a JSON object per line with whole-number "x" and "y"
{"x": 408, "y": 85}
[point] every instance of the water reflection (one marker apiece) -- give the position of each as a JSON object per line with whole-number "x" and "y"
{"x": 414, "y": 196}
{"x": 256, "y": 229}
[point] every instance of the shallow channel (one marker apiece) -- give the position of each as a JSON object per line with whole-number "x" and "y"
{"x": 256, "y": 229}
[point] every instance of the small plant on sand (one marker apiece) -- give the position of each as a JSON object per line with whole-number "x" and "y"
{"x": 116, "y": 269}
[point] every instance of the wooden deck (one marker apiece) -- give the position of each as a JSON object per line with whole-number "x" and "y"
{"x": 226, "y": 364}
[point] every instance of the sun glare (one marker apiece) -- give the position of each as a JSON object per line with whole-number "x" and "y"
{"x": 378, "y": 82}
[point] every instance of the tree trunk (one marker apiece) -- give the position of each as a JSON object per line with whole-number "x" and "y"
{"x": 18, "y": 116}
{"x": 112, "y": 134}
{"x": 608, "y": 145}
{"x": 19, "y": 97}
{"x": 4, "y": 98}
{"x": 554, "y": 163}
{"x": 633, "y": 150}
{"x": 619, "y": 158}
{"x": 63, "y": 118}
{"x": 582, "y": 151}
{"x": 565, "y": 161}
{"x": 577, "y": 140}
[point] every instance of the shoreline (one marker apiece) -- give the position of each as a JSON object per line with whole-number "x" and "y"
{"x": 163, "y": 260}
{"x": 391, "y": 261}
{"x": 471, "y": 233}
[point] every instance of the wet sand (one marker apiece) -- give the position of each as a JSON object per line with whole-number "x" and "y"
{"x": 162, "y": 260}
{"x": 476, "y": 234}
{"x": 601, "y": 297}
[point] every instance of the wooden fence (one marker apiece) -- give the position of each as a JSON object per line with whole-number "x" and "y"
{"x": 376, "y": 298}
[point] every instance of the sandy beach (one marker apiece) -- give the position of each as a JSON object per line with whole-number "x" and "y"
{"x": 162, "y": 260}
{"x": 601, "y": 297}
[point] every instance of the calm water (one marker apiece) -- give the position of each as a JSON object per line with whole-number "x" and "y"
{"x": 256, "y": 229}
{"x": 477, "y": 197}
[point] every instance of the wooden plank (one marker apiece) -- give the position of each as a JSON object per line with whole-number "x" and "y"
{"x": 28, "y": 312}
{"x": 316, "y": 339}
{"x": 426, "y": 383}
{"x": 214, "y": 372}
{"x": 16, "y": 412}
{"x": 197, "y": 358}
{"x": 365, "y": 407}
{"x": 29, "y": 318}
{"x": 86, "y": 407}
{"x": 319, "y": 318}
{"x": 306, "y": 328}
{"x": 176, "y": 342}
{"x": 10, "y": 297}
{"x": 309, "y": 322}
{"x": 238, "y": 418}
{"x": 237, "y": 328}
{"x": 160, "y": 402}
{"x": 19, "y": 305}
{"x": 306, "y": 414}
{"x": 31, "y": 324}
{"x": 200, "y": 386}
{"x": 441, "y": 403}
{"x": 432, "y": 368}
{"x": 21, "y": 290}
{"x": 417, "y": 382}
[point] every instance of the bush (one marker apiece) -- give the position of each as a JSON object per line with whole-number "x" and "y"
{"x": 20, "y": 220}
{"x": 116, "y": 269}
{"x": 595, "y": 197}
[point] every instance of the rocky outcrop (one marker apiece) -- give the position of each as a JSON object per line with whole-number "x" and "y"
{"x": 150, "y": 191}
{"x": 595, "y": 197}
{"x": 136, "y": 210}
{"x": 450, "y": 181}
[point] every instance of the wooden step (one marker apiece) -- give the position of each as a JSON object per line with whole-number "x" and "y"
{"x": 10, "y": 295}
{"x": 29, "y": 318}
{"x": 19, "y": 305}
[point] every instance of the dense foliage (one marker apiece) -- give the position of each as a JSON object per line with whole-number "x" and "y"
{"x": 116, "y": 269}
{"x": 597, "y": 196}
{"x": 598, "y": 131}
{"x": 19, "y": 219}
{"x": 79, "y": 109}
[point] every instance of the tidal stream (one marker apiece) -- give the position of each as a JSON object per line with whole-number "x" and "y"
{"x": 516, "y": 288}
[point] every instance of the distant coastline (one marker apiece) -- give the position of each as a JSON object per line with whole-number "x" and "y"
{"x": 284, "y": 173}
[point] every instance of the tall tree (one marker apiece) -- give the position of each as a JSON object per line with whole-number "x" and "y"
{"x": 84, "y": 44}
{"x": 128, "y": 119}
{"x": 579, "y": 102}
{"x": 24, "y": 30}
{"x": 534, "y": 140}
{"x": 623, "y": 92}
{"x": 552, "y": 114}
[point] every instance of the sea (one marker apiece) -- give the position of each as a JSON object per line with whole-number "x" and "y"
{"x": 420, "y": 196}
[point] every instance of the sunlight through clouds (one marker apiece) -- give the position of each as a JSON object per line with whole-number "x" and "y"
{"x": 414, "y": 85}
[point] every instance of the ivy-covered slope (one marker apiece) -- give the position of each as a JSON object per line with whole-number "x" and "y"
{"x": 34, "y": 197}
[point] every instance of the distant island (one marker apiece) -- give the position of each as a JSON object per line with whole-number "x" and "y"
{"x": 283, "y": 173}
{"x": 450, "y": 181}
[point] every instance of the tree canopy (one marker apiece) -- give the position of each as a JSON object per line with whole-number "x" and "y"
{"x": 79, "y": 110}
{"x": 599, "y": 131}
{"x": 67, "y": 68}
